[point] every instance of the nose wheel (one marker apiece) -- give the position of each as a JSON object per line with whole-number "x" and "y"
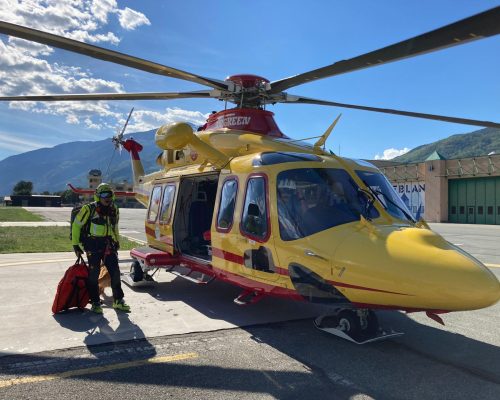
{"x": 358, "y": 326}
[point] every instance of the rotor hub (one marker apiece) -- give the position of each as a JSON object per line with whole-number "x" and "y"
{"x": 247, "y": 81}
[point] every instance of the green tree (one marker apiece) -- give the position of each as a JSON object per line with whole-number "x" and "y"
{"x": 22, "y": 187}
{"x": 68, "y": 197}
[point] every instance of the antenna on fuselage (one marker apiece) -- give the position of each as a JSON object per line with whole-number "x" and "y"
{"x": 318, "y": 146}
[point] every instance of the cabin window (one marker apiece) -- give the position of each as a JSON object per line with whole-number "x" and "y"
{"x": 311, "y": 200}
{"x": 227, "y": 204}
{"x": 154, "y": 204}
{"x": 166, "y": 205}
{"x": 254, "y": 222}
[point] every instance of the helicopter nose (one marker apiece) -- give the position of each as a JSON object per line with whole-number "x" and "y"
{"x": 455, "y": 280}
{"x": 460, "y": 281}
{"x": 471, "y": 284}
{"x": 412, "y": 268}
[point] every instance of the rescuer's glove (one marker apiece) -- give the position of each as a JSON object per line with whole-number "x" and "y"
{"x": 78, "y": 251}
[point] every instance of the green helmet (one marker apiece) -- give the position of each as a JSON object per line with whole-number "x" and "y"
{"x": 104, "y": 190}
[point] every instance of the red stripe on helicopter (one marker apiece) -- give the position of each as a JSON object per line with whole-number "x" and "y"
{"x": 163, "y": 238}
{"x": 348, "y": 285}
{"x": 257, "y": 286}
{"x": 228, "y": 256}
{"x": 237, "y": 259}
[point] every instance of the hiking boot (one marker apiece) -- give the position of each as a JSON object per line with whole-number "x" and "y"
{"x": 121, "y": 305}
{"x": 96, "y": 308}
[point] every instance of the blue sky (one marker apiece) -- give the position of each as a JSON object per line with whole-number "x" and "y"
{"x": 274, "y": 39}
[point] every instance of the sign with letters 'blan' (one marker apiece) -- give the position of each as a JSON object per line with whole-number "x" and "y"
{"x": 413, "y": 195}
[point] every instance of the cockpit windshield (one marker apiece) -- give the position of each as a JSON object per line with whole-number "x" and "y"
{"x": 384, "y": 192}
{"x": 311, "y": 200}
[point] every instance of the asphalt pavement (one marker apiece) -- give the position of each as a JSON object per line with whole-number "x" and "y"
{"x": 191, "y": 341}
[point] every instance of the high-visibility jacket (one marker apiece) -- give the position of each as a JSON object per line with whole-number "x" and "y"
{"x": 101, "y": 226}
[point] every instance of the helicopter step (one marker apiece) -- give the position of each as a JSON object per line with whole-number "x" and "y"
{"x": 146, "y": 262}
{"x": 356, "y": 326}
{"x": 198, "y": 277}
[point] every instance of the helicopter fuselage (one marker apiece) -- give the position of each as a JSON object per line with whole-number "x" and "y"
{"x": 282, "y": 218}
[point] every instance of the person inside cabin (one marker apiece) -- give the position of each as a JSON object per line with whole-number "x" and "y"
{"x": 96, "y": 229}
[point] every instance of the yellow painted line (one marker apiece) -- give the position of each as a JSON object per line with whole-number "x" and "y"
{"x": 493, "y": 265}
{"x": 44, "y": 261}
{"x": 96, "y": 370}
{"x": 9, "y": 264}
{"x": 133, "y": 239}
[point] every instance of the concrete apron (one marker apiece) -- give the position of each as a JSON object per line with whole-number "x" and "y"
{"x": 174, "y": 306}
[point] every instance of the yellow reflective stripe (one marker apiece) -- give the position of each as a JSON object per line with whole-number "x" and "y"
{"x": 84, "y": 214}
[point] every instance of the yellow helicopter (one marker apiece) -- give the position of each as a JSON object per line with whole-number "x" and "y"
{"x": 241, "y": 202}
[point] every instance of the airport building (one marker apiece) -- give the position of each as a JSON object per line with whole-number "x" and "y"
{"x": 465, "y": 191}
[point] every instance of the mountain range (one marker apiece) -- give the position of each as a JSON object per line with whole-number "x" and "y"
{"x": 50, "y": 169}
{"x": 473, "y": 144}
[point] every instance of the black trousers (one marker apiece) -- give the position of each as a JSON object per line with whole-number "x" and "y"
{"x": 96, "y": 252}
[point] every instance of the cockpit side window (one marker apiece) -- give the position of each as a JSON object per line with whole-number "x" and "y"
{"x": 255, "y": 218}
{"x": 167, "y": 202}
{"x": 311, "y": 200}
{"x": 227, "y": 204}
{"x": 386, "y": 194}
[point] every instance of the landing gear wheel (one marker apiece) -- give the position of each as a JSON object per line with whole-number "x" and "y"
{"x": 136, "y": 272}
{"x": 349, "y": 324}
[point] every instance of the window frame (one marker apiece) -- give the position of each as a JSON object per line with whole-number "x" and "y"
{"x": 217, "y": 227}
{"x": 171, "y": 184}
{"x": 257, "y": 175}
{"x": 152, "y": 221}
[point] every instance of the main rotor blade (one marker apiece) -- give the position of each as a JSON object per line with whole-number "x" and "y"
{"x": 476, "y": 27}
{"x": 465, "y": 121}
{"x": 104, "y": 54}
{"x": 110, "y": 96}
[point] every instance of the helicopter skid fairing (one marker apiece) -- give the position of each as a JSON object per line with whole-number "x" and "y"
{"x": 344, "y": 328}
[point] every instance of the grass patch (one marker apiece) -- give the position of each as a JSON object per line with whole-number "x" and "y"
{"x": 17, "y": 214}
{"x": 40, "y": 239}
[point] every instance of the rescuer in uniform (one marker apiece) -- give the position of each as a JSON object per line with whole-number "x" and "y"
{"x": 96, "y": 228}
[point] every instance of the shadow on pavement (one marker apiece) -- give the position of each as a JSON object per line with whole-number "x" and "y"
{"x": 426, "y": 363}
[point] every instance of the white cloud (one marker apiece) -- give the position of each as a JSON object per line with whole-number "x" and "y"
{"x": 389, "y": 154}
{"x": 130, "y": 19}
{"x": 15, "y": 143}
{"x": 101, "y": 8}
{"x": 143, "y": 120}
{"x": 26, "y": 70}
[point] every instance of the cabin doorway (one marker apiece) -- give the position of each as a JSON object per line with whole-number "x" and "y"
{"x": 193, "y": 216}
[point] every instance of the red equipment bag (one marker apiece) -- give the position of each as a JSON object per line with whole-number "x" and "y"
{"x": 72, "y": 288}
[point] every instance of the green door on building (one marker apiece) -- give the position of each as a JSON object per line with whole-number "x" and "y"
{"x": 474, "y": 200}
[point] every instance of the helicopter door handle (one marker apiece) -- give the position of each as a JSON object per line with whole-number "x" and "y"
{"x": 313, "y": 254}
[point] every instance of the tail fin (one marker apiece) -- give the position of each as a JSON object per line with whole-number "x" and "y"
{"x": 137, "y": 169}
